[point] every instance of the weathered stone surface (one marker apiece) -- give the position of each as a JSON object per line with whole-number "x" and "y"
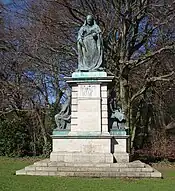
{"x": 121, "y": 157}
{"x": 120, "y": 145}
{"x": 74, "y": 100}
{"x": 52, "y": 173}
{"x": 134, "y": 164}
{"x": 21, "y": 172}
{"x": 156, "y": 174}
{"x": 30, "y": 168}
{"x": 48, "y": 168}
{"x": 84, "y": 145}
{"x": 77, "y": 157}
{"x": 42, "y": 162}
{"x": 134, "y": 169}
{"x": 89, "y": 108}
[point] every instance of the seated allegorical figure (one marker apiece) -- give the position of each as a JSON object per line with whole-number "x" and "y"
{"x": 117, "y": 115}
{"x": 63, "y": 118}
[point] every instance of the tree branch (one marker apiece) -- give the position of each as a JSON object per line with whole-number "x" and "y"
{"x": 135, "y": 63}
{"x": 149, "y": 82}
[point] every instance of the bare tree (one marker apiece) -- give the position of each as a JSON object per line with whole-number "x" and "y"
{"x": 139, "y": 52}
{"x": 132, "y": 31}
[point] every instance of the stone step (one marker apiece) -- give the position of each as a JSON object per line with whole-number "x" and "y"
{"x": 52, "y": 168}
{"x": 135, "y": 164}
{"x": 86, "y": 169}
{"x": 154, "y": 174}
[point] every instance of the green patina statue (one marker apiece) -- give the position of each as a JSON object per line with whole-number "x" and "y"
{"x": 117, "y": 115}
{"x": 63, "y": 118}
{"x": 90, "y": 46}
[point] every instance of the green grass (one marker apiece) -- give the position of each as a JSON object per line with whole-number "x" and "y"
{"x": 10, "y": 182}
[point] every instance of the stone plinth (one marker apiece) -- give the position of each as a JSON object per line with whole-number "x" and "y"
{"x": 89, "y": 102}
{"x": 119, "y": 148}
{"x": 88, "y": 139}
{"x": 84, "y": 144}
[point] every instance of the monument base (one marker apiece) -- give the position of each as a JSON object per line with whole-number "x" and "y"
{"x": 121, "y": 157}
{"x": 87, "y": 149}
{"x": 89, "y": 156}
{"x": 134, "y": 169}
{"x": 80, "y": 157}
{"x": 82, "y": 147}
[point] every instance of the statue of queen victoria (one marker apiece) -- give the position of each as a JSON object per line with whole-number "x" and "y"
{"x": 90, "y": 46}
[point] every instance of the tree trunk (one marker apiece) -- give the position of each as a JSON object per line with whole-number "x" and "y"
{"x": 43, "y": 131}
{"x": 123, "y": 98}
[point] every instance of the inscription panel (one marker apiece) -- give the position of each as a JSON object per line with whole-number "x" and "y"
{"x": 88, "y": 91}
{"x": 89, "y": 115}
{"x": 88, "y": 108}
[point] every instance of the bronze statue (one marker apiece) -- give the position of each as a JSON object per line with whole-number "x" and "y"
{"x": 63, "y": 118}
{"x": 117, "y": 115}
{"x": 90, "y": 46}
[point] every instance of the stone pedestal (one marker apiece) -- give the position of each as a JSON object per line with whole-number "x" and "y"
{"x": 88, "y": 139}
{"x": 89, "y": 102}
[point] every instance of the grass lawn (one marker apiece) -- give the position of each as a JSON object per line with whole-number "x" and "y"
{"x": 10, "y": 182}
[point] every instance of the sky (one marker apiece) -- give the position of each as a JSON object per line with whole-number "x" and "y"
{"x": 6, "y": 1}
